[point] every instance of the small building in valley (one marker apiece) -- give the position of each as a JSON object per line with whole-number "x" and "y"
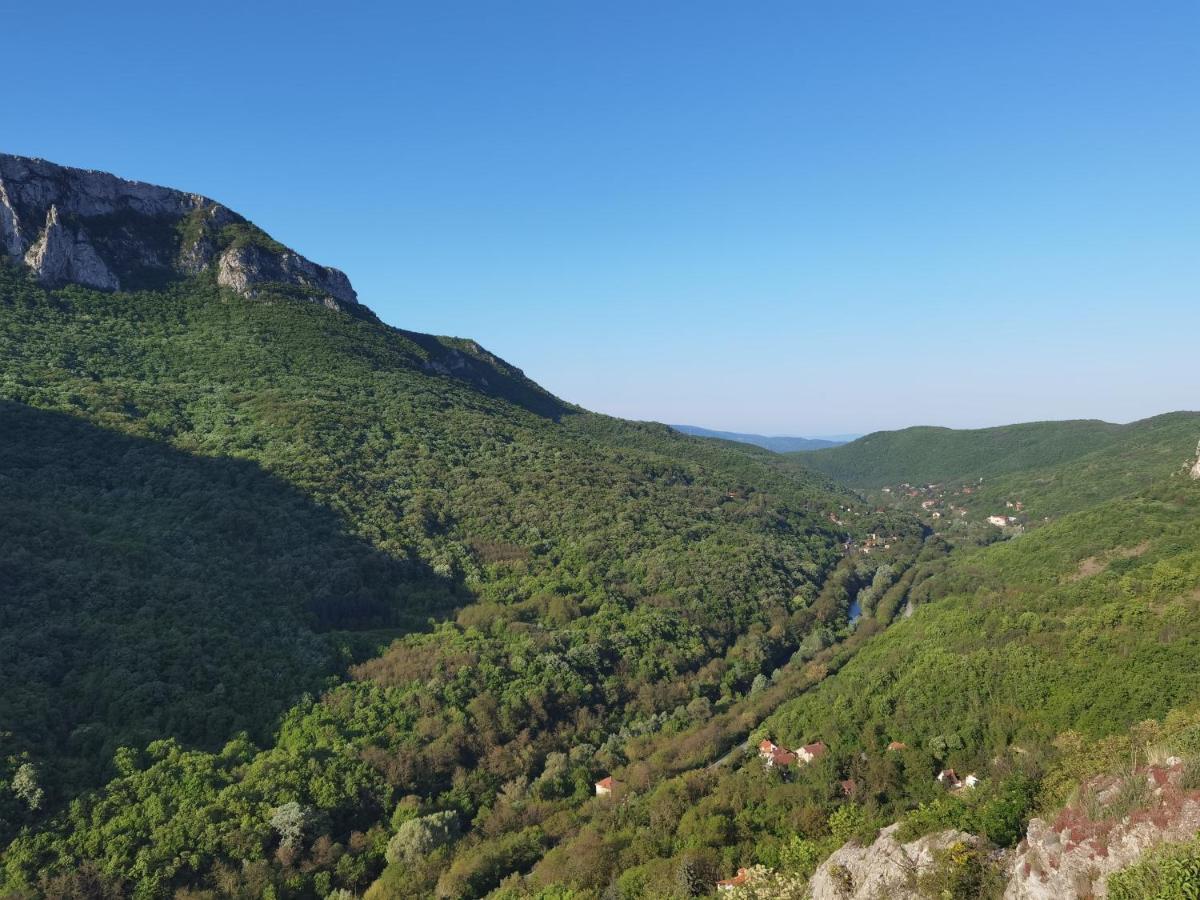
{"x": 949, "y": 778}
{"x": 605, "y": 786}
{"x": 741, "y": 878}
{"x": 809, "y": 752}
{"x": 781, "y": 758}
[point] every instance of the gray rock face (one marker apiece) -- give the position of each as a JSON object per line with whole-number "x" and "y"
{"x": 63, "y": 255}
{"x": 12, "y": 242}
{"x": 95, "y": 229}
{"x": 244, "y": 268}
{"x": 1072, "y": 858}
{"x": 886, "y": 869}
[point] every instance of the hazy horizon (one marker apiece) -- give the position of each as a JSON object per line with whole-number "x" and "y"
{"x": 853, "y": 435}
{"x": 777, "y": 221}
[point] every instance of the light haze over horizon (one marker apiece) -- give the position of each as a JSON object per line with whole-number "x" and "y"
{"x": 791, "y": 219}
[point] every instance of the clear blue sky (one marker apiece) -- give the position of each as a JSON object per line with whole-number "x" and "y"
{"x": 800, "y": 217}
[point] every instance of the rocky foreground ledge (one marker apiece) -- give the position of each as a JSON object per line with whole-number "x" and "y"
{"x": 1069, "y": 857}
{"x": 76, "y": 226}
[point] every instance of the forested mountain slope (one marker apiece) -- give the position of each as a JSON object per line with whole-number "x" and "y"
{"x": 1052, "y": 468}
{"x": 1017, "y": 663}
{"x": 1084, "y": 624}
{"x": 215, "y": 503}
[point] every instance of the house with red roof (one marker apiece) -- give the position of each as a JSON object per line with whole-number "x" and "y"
{"x": 741, "y": 878}
{"x": 780, "y": 757}
{"x": 606, "y": 786}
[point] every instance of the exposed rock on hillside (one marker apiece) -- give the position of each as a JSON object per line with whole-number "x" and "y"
{"x": 1113, "y": 821}
{"x": 64, "y": 254}
{"x": 887, "y": 868}
{"x": 1073, "y": 856}
{"x": 91, "y": 228}
{"x": 243, "y": 268}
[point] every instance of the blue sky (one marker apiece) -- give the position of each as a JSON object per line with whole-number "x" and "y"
{"x": 794, "y": 217}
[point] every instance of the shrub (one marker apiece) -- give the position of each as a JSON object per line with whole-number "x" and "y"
{"x": 420, "y": 837}
{"x": 961, "y": 871}
{"x": 1170, "y": 872}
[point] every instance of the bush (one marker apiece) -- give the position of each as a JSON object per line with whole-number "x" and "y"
{"x": 1170, "y": 872}
{"x": 851, "y": 823}
{"x": 420, "y": 837}
{"x": 962, "y": 871}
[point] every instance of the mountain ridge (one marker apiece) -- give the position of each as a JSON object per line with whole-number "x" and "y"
{"x": 82, "y": 226}
{"x": 774, "y": 443}
{"x": 926, "y": 453}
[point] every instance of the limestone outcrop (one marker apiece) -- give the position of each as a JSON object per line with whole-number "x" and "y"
{"x": 63, "y": 255}
{"x": 886, "y": 868}
{"x": 247, "y": 267}
{"x": 1071, "y": 857}
{"x": 76, "y": 226}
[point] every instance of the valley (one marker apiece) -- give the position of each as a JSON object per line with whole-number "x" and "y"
{"x": 299, "y": 604}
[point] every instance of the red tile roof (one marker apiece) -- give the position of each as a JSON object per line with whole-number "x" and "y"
{"x": 737, "y": 880}
{"x": 781, "y": 757}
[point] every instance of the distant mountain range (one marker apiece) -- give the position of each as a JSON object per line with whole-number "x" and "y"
{"x": 779, "y": 444}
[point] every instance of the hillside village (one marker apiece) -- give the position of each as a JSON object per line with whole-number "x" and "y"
{"x": 961, "y": 506}
{"x": 775, "y": 757}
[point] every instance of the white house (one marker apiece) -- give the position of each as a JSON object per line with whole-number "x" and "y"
{"x": 809, "y": 752}
{"x": 949, "y": 778}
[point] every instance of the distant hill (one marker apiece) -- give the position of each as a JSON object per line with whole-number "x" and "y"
{"x": 778, "y": 444}
{"x": 1055, "y": 467}
{"x": 926, "y": 454}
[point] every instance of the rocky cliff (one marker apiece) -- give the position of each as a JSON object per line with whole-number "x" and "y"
{"x": 1110, "y": 824}
{"x": 885, "y": 869}
{"x": 1072, "y": 856}
{"x": 75, "y": 226}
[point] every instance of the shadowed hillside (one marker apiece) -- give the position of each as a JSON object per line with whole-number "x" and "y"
{"x": 209, "y": 479}
{"x": 152, "y": 593}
